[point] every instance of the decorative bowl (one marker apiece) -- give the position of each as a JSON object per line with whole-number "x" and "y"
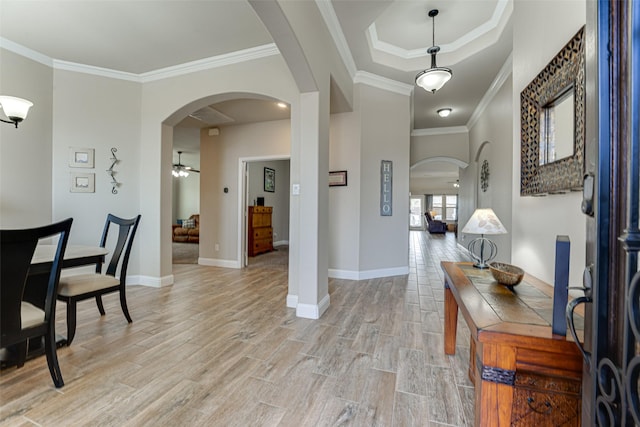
{"x": 506, "y": 274}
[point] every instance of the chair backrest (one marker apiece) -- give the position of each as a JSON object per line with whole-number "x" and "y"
{"x": 16, "y": 251}
{"x": 122, "y": 250}
{"x": 428, "y": 215}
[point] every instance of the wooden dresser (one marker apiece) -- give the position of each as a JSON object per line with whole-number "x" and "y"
{"x": 260, "y": 231}
{"x": 523, "y": 374}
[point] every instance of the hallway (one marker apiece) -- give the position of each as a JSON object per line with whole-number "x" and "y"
{"x": 220, "y": 348}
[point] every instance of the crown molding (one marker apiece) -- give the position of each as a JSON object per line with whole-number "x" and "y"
{"x": 382, "y": 83}
{"x": 477, "y": 32}
{"x": 505, "y": 71}
{"x": 440, "y": 131}
{"x": 25, "y": 51}
{"x": 333, "y": 24}
{"x": 96, "y": 71}
{"x": 230, "y": 58}
{"x": 162, "y": 73}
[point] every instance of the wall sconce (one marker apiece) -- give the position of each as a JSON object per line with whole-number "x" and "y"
{"x": 16, "y": 109}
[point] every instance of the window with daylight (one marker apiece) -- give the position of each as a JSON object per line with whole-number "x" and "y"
{"x": 437, "y": 207}
{"x": 444, "y": 207}
{"x": 451, "y": 208}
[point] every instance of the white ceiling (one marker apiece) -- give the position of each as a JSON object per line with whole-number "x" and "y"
{"x": 385, "y": 37}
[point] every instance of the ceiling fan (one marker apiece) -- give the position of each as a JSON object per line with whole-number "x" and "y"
{"x": 180, "y": 170}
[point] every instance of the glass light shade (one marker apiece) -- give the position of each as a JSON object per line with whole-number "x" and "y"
{"x": 433, "y": 79}
{"x": 444, "y": 112}
{"x": 484, "y": 221}
{"x": 14, "y": 108}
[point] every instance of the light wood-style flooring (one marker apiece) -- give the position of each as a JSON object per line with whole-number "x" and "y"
{"x": 220, "y": 348}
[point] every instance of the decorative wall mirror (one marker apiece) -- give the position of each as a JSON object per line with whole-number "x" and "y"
{"x": 552, "y": 115}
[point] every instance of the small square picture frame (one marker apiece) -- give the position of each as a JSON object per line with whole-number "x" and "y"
{"x": 83, "y": 182}
{"x": 269, "y": 180}
{"x": 337, "y": 178}
{"x": 81, "y": 157}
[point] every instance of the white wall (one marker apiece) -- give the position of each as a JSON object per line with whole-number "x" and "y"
{"x": 170, "y": 100}
{"x": 453, "y": 145}
{"x": 113, "y": 121}
{"x": 446, "y": 144}
{"x": 491, "y": 139}
{"x": 25, "y": 153}
{"x": 538, "y": 36}
{"x": 279, "y": 199}
{"x": 220, "y": 161}
{"x": 344, "y": 206}
{"x": 385, "y": 135}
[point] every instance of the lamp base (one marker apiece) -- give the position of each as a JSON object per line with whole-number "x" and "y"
{"x": 478, "y": 249}
{"x": 481, "y": 266}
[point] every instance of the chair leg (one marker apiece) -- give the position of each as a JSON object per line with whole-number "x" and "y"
{"x": 99, "y": 304}
{"x": 71, "y": 321}
{"x": 21, "y": 353}
{"x": 123, "y": 304}
{"x": 52, "y": 358}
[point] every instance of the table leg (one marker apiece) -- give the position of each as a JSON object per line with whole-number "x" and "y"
{"x": 450, "y": 320}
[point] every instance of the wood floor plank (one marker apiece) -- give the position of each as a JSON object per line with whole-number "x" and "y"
{"x": 412, "y": 372}
{"x": 410, "y": 410}
{"x": 350, "y": 385}
{"x": 385, "y": 357}
{"x": 376, "y": 407}
{"x": 366, "y": 339}
{"x": 444, "y": 401}
{"x": 220, "y": 348}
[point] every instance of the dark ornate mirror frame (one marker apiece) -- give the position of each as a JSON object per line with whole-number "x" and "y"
{"x": 565, "y": 70}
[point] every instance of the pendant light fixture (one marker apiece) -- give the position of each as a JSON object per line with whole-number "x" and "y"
{"x": 435, "y": 77}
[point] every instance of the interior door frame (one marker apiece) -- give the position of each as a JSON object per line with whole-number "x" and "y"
{"x": 243, "y": 200}
{"x": 422, "y": 204}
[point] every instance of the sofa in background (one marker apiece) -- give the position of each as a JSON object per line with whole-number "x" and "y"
{"x": 434, "y": 226}
{"x": 188, "y": 231}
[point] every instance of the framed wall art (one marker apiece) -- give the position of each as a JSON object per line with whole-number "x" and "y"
{"x": 83, "y": 182}
{"x": 269, "y": 180}
{"x": 81, "y": 157}
{"x": 338, "y": 179}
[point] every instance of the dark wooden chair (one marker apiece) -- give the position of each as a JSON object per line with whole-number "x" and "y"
{"x": 93, "y": 285}
{"x": 21, "y": 320}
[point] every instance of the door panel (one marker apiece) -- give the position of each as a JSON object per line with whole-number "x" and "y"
{"x": 612, "y": 325}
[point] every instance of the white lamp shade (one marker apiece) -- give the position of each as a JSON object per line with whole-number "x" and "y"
{"x": 15, "y": 108}
{"x": 484, "y": 221}
{"x": 433, "y": 79}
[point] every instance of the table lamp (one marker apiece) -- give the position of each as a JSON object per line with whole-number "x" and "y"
{"x": 483, "y": 221}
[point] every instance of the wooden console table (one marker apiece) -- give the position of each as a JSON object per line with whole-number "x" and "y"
{"x": 523, "y": 374}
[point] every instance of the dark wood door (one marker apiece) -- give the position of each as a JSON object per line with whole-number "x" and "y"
{"x": 612, "y": 153}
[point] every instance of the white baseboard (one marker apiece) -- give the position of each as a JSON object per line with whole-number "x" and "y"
{"x": 312, "y": 311}
{"x": 368, "y": 274}
{"x": 281, "y": 242}
{"x": 154, "y": 282}
{"x": 292, "y": 301}
{"x": 213, "y": 262}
